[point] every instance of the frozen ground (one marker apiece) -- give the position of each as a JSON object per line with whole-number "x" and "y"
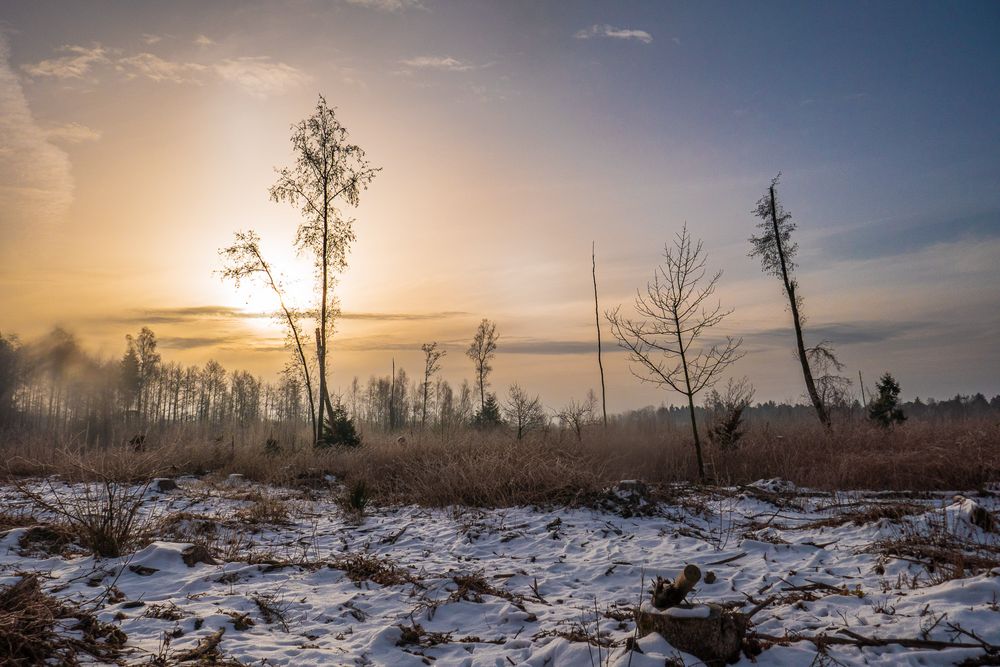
{"x": 523, "y": 586}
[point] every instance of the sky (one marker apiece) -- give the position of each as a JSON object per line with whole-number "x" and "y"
{"x": 137, "y": 137}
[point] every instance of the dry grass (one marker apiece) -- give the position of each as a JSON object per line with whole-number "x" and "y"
{"x": 267, "y": 509}
{"x": 38, "y": 629}
{"x": 104, "y": 509}
{"x": 494, "y": 469}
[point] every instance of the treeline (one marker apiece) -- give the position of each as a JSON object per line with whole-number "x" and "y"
{"x": 962, "y": 406}
{"x": 53, "y": 384}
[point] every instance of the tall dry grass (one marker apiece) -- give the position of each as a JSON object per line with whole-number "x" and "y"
{"x": 492, "y": 468}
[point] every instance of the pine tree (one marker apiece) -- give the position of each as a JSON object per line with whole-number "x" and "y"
{"x": 489, "y": 415}
{"x": 884, "y": 408}
{"x": 339, "y": 429}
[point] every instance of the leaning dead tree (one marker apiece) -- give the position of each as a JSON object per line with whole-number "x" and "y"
{"x": 776, "y": 250}
{"x": 329, "y": 171}
{"x": 244, "y": 259}
{"x": 674, "y": 313}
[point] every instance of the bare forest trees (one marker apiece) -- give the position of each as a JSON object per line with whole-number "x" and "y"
{"x": 776, "y": 250}
{"x": 576, "y": 415}
{"x": 673, "y": 314}
{"x": 432, "y": 364}
{"x": 481, "y": 351}
{"x": 329, "y": 171}
{"x": 243, "y": 259}
{"x": 141, "y": 362}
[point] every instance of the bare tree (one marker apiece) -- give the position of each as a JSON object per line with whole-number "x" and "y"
{"x": 328, "y": 171}
{"x": 481, "y": 351}
{"x": 432, "y": 359}
{"x": 674, "y": 313}
{"x": 575, "y": 415}
{"x": 244, "y": 259}
{"x": 776, "y": 250}
{"x": 597, "y": 322}
{"x": 522, "y": 411}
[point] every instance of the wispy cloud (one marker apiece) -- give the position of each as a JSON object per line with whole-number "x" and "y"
{"x": 36, "y": 183}
{"x": 72, "y": 133}
{"x": 442, "y": 63}
{"x": 387, "y": 5}
{"x": 153, "y": 67}
{"x": 202, "y": 40}
{"x": 403, "y": 317}
{"x": 193, "y": 342}
{"x": 850, "y": 333}
{"x": 148, "y": 38}
{"x": 612, "y": 32}
{"x": 188, "y": 314}
{"x": 908, "y": 235}
{"x": 78, "y": 62}
{"x": 260, "y": 76}
{"x": 556, "y": 347}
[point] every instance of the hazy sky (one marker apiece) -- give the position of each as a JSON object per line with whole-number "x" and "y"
{"x": 136, "y": 137}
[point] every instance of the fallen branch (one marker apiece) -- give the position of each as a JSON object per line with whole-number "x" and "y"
{"x": 854, "y": 639}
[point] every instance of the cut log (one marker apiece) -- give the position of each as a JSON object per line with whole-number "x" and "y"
{"x": 709, "y": 632}
{"x": 668, "y": 594}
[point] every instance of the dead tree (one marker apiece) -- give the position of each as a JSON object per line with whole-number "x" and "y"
{"x": 674, "y": 313}
{"x": 776, "y": 250}
{"x": 244, "y": 259}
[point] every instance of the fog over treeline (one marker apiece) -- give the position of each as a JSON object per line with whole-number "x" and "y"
{"x": 51, "y": 384}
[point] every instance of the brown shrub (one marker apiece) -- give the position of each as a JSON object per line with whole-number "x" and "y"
{"x": 29, "y": 634}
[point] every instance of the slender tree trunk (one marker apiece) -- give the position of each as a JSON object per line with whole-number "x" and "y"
{"x": 321, "y": 357}
{"x": 392, "y": 397}
{"x": 690, "y": 397}
{"x": 482, "y": 390}
{"x": 597, "y": 321}
{"x": 423, "y": 412}
{"x": 324, "y": 294}
{"x": 298, "y": 345}
{"x": 821, "y": 412}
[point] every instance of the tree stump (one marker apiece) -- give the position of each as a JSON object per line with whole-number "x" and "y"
{"x": 163, "y": 484}
{"x": 707, "y": 631}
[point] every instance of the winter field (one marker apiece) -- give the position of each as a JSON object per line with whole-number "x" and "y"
{"x": 228, "y": 571}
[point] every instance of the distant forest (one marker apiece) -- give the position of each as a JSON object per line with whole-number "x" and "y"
{"x": 53, "y": 385}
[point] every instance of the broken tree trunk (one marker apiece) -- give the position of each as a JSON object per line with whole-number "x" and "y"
{"x": 709, "y": 632}
{"x": 668, "y": 594}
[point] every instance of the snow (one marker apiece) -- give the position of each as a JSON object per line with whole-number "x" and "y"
{"x": 694, "y": 611}
{"x": 553, "y": 577}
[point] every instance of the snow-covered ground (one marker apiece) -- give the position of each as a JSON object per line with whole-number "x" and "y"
{"x": 528, "y": 586}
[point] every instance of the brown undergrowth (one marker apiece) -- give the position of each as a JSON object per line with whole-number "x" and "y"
{"x": 494, "y": 469}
